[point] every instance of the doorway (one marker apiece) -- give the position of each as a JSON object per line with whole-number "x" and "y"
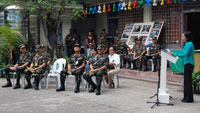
{"x": 192, "y": 22}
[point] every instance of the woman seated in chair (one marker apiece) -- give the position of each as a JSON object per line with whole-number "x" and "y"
{"x": 113, "y": 67}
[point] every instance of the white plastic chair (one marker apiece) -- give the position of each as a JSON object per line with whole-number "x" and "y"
{"x": 22, "y": 77}
{"x": 58, "y": 66}
{"x": 73, "y": 76}
{"x": 116, "y": 80}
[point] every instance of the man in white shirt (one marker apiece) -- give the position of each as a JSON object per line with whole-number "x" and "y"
{"x": 114, "y": 66}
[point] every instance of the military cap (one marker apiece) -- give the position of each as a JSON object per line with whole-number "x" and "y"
{"x": 22, "y": 46}
{"x": 37, "y": 47}
{"x": 117, "y": 38}
{"x": 77, "y": 45}
{"x": 99, "y": 47}
{"x": 139, "y": 39}
{"x": 154, "y": 38}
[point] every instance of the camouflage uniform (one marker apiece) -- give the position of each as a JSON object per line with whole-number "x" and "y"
{"x": 97, "y": 62}
{"x": 23, "y": 58}
{"x": 123, "y": 52}
{"x": 139, "y": 48}
{"x": 75, "y": 61}
{"x": 152, "y": 50}
{"x": 37, "y": 61}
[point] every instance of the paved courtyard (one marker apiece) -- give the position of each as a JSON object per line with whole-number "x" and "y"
{"x": 130, "y": 97}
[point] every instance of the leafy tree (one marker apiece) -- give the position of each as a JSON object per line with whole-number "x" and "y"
{"x": 51, "y": 13}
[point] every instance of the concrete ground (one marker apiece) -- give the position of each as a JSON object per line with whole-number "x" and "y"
{"x": 130, "y": 97}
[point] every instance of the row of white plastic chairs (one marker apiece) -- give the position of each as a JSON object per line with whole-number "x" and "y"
{"x": 57, "y": 67}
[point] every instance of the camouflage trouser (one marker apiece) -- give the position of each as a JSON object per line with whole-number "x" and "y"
{"x": 77, "y": 75}
{"x": 124, "y": 58}
{"x": 138, "y": 63}
{"x": 99, "y": 76}
{"x": 155, "y": 59}
{"x": 18, "y": 73}
{"x": 38, "y": 74}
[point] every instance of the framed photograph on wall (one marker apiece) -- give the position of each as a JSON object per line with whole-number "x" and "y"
{"x": 127, "y": 31}
{"x": 144, "y": 38}
{"x": 136, "y": 29}
{"x": 153, "y": 33}
{"x": 146, "y": 29}
{"x": 157, "y": 25}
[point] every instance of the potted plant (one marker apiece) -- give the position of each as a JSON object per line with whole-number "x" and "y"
{"x": 196, "y": 82}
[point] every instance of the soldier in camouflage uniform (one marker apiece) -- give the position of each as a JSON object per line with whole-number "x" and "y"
{"x": 23, "y": 62}
{"x": 75, "y": 67}
{"x": 139, "y": 51}
{"x": 122, "y": 49}
{"x": 98, "y": 66}
{"x": 154, "y": 53}
{"x": 45, "y": 54}
{"x": 70, "y": 41}
{"x": 102, "y": 42}
{"x": 37, "y": 67}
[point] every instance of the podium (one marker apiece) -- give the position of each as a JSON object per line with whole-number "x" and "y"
{"x": 163, "y": 94}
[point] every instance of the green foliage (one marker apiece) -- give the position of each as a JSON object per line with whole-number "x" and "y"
{"x": 196, "y": 78}
{"x": 10, "y": 39}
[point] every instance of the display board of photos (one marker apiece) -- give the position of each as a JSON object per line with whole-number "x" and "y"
{"x": 126, "y": 33}
{"x": 145, "y": 30}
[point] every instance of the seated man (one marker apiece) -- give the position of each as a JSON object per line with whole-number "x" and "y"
{"x": 113, "y": 67}
{"x": 38, "y": 67}
{"x": 23, "y": 62}
{"x": 45, "y": 54}
{"x": 122, "y": 50}
{"x": 154, "y": 53}
{"x": 138, "y": 54}
{"x": 75, "y": 67}
{"x": 98, "y": 67}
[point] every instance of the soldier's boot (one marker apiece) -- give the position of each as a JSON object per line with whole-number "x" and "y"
{"x": 98, "y": 91}
{"x": 140, "y": 67}
{"x": 77, "y": 88}
{"x": 92, "y": 89}
{"x": 17, "y": 85}
{"x": 129, "y": 65}
{"x": 8, "y": 84}
{"x": 62, "y": 87}
{"x": 134, "y": 65}
{"x": 154, "y": 68}
{"x": 28, "y": 86}
{"x": 145, "y": 67}
{"x": 37, "y": 81}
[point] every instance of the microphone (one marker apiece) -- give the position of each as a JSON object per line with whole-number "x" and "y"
{"x": 172, "y": 42}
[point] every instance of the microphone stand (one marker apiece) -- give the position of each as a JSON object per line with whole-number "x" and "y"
{"x": 157, "y": 102}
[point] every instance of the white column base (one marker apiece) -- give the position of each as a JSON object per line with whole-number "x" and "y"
{"x": 163, "y": 96}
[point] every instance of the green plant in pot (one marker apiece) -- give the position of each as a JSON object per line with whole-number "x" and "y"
{"x": 196, "y": 82}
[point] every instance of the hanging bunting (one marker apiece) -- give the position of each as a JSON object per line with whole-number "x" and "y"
{"x": 99, "y": 9}
{"x": 129, "y": 5}
{"x": 162, "y": 2}
{"x": 119, "y": 7}
{"x": 185, "y": 0}
{"x": 179, "y": 1}
{"x": 124, "y": 6}
{"x": 169, "y": 2}
{"x": 108, "y": 10}
{"x": 104, "y": 8}
{"x": 154, "y": 2}
{"x": 141, "y": 4}
{"x": 90, "y": 10}
{"x": 175, "y": 1}
{"x": 94, "y": 10}
{"x": 148, "y": 3}
{"x": 114, "y": 8}
{"x": 136, "y": 4}
{"x": 86, "y": 11}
